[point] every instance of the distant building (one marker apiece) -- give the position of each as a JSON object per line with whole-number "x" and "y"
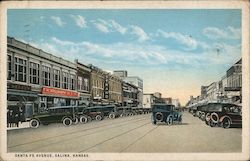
{"x": 120, "y": 73}
{"x": 150, "y": 98}
{"x": 213, "y": 92}
{"x": 130, "y": 95}
{"x": 176, "y": 102}
{"x": 167, "y": 100}
{"x": 157, "y": 94}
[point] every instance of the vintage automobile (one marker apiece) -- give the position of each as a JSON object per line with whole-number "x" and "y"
{"x": 65, "y": 114}
{"x": 193, "y": 110}
{"x": 202, "y": 111}
{"x": 223, "y": 114}
{"x": 98, "y": 113}
{"x": 165, "y": 113}
{"x": 125, "y": 111}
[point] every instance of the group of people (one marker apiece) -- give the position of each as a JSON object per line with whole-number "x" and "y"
{"x": 14, "y": 117}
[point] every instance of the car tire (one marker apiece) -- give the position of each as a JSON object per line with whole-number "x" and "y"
{"x": 169, "y": 120}
{"x": 158, "y": 116}
{"x": 83, "y": 119}
{"x": 34, "y": 123}
{"x": 89, "y": 118}
{"x": 98, "y": 118}
{"x": 207, "y": 117}
{"x": 75, "y": 120}
{"x": 214, "y": 117}
{"x": 212, "y": 124}
{"x": 226, "y": 123}
{"x": 111, "y": 115}
{"x": 67, "y": 121}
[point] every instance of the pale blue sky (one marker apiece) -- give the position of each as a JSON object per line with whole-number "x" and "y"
{"x": 174, "y": 51}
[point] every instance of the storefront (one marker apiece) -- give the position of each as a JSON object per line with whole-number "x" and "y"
{"x": 53, "y": 97}
{"x": 21, "y": 101}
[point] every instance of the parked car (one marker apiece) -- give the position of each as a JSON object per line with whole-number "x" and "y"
{"x": 224, "y": 115}
{"x": 201, "y": 111}
{"x": 98, "y": 113}
{"x": 165, "y": 113}
{"x": 125, "y": 111}
{"x": 65, "y": 114}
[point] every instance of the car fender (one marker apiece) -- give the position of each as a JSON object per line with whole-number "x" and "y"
{"x": 170, "y": 116}
{"x": 66, "y": 117}
{"x": 223, "y": 117}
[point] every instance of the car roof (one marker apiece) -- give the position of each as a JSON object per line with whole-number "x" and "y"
{"x": 93, "y": 107}
{"x": 63, "y": 107}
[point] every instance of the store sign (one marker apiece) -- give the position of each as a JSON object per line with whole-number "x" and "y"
{"x": 59, "y": 92}
{"x": 19, "y": 87}
{"x": 232, "y": 88}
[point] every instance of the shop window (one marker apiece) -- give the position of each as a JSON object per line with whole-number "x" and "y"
{"x": 56, "y": 78}
{"x": 20, "y": 70}
{"x": 34, "y": 73}
{"x": 46, "y": 75}
{"x": 9, "y": 67}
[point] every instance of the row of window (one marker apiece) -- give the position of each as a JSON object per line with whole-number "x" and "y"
{"x": 49, "y": 76}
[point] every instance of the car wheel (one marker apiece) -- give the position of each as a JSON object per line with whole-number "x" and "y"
{"x": 214, "y": 117}
{"x": 121, "y": 115}
{"x": 180, "y": 120}
{"x": 98, "y": 117}
{"x": 111, "y": 115}
{"x": 226, "y": 123}
{"x": 158, "y": 116}
{"x": 207, "y": 117}
{"x": 75, "y": 120}
{"x": 83, "y": 119}
{"x": 170, "y": 120}
{"x": 34, "y": 123}
{"x": 89, "y": 119}
{"x": 67, "y": 121}
{"x": 212, "y": 124}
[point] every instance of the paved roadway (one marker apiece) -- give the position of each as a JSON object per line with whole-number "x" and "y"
{"x": 127, "y": 134}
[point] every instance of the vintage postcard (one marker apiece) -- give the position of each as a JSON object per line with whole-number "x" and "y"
{"x": 115, "y": 80}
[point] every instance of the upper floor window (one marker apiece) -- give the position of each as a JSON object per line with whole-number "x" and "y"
{"x": 46, "y": 75}
{"x": 65, "y": 80}
{"x": 34, "y": 73}
{"x": 9, "y": 67}
{"x": 20, "y": 69}
{"x": 56, "y": 78}
{"x": 72, "y": 83}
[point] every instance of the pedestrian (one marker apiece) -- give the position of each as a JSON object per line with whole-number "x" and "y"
{"x": 16, "y": 118}
{"x": 8, "y": 118}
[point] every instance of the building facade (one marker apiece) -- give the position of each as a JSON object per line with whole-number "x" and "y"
{"x": 138, "y": 82}
{"x": 37, "y": 80}
{"x": 83, "y": 83}
{"x": 130, "y": 95}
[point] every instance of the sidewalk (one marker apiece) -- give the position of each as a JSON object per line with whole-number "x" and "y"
{"x": 21, "y": 126}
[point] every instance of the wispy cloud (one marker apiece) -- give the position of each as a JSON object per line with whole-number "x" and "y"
{"x": 58, "y": 21}
{"x": 107, "y": 26}
{"x": 217, "y": 33}
{"x": 140, "y": 33}
{"x": 141, "y": 54}
{"x": 79, "y": 20}
{"x": 186, "y": 40}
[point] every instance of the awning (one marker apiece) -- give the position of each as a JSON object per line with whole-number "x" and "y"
{"x": 22, "y": 93}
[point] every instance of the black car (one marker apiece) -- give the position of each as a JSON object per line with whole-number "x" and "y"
{"x": 223, "y": 114}
{"x": 65, "y": 114}
{"x": 98, "y": 113}
{"x": 165, "y": 113}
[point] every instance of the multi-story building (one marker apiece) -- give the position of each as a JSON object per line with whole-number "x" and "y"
{"x": 213, "y": 92}
{"x": 167, "y": 100}
{"x": 150, "y": 98}
{"x": 176, "y": 102}
{"x": 134, "y": 80}
{"x": 105, "y": 87}
{"x": 130, "y": 95}
{"x": 83, "y": 83}
{"x": 234, "y": 82}
{"x": 115, "y": 89}
{"x": 138, "y": 82}
{"x": 97, "y": 84}
{"x": 37, "y": 80}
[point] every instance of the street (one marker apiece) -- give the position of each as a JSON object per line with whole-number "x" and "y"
{"x": 134, "y": 134}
